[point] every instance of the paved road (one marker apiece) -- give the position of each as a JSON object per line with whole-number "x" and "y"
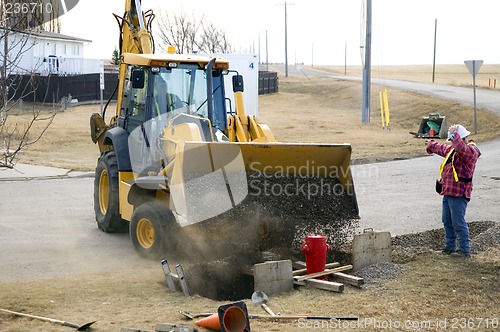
{"x": 485, "y": 98}
{"x": 47, "y": 226}
{"x": 399, "y": 196}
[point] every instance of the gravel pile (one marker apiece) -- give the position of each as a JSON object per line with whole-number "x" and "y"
{"x": 483, "y": 234}
{"x": 380, "y": 272}
{"x": 487, "y": 239}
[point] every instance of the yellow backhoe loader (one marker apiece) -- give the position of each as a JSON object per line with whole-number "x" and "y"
{"x": 180, "y": 166}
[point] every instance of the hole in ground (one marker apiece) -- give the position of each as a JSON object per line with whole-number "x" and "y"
{"x": 220, "y": 281}
{"x": 226, "y": 281}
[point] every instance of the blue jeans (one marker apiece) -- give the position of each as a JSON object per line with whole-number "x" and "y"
{"x": 455, "y": 226}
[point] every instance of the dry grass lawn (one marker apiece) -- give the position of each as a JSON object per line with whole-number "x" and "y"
{"x": 433, "y": 288}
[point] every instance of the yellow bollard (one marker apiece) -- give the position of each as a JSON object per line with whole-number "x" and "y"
{"x": 382, "y": 110}
{"x": 386, "y": 107}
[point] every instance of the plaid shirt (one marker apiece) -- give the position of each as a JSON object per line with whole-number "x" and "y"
{"x": 464, "y": 161}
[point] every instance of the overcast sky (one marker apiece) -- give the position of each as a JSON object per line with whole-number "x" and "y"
{"x": 318, "y": 31}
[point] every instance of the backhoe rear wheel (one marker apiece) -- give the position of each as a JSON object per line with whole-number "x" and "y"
{"x": 153, "y": 230}
{"x": 106, "y": 200}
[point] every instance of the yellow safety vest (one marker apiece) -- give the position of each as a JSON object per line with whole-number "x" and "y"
{"x": 445, "y": 161}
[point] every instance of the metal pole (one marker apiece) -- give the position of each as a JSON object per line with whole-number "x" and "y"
{"x": 312, "y": 55}
{"x": 286, "y": 47}
{"x": 267, "y": 55}
{"x": 168, "y": 275}
{"x": 474, "y": 84}
{"x": 365, "y": 111}
{"x": 258, "y": 49}
{"x": 182, "y": 280}
{"x": 434, "y": 60}
{"x": 345, "y": 59}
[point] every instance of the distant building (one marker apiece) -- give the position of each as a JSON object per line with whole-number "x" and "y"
{"x": 44, "y": 53}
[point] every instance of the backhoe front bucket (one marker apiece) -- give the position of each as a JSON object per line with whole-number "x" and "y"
{"x": 273, "y": 193}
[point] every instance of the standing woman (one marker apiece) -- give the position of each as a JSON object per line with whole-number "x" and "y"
{"x": 455, "y": 185}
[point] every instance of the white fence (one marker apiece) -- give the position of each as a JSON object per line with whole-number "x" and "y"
{"x": 65, "y": 65}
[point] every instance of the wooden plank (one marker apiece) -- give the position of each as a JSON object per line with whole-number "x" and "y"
{"x": 323, "y": 273}
{"x": 349, "y": 279}
{"x": 322, "y": 284}
{"x": 301, "y": 272}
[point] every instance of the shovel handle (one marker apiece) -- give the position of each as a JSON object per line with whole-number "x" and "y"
{"x": 51, "y": 320}
{"x": 267, "y": 309}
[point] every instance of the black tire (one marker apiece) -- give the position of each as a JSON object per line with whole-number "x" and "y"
{"x": 153, "y": 231}
{"x": 106, "y": 198}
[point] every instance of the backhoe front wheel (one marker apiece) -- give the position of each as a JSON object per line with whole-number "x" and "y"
{"x": 153, "y": 230}
{"x": 106, "y": 200}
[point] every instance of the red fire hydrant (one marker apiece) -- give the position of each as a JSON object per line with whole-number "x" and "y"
{"x": 315, "y": 249}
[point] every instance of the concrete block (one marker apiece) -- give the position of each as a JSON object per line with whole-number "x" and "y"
{"x": 273, "y": 277}
{"x": 370, "y": 248}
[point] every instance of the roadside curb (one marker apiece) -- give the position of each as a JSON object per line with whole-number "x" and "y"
{"x": 22, "y": 172}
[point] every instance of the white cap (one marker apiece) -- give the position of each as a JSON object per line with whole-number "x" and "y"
{"x": 461, "y": 131}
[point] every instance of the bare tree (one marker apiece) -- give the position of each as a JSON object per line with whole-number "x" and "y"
{"x": 189, "y": 36}
{"x": 178, "y": 30}
{"x": 14, "y": 136}
{"x": 213, "y": 40}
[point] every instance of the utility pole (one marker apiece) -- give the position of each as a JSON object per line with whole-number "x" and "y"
{"x": 434, "y": 60}
{"x": 365, "y": 108}
{"x": 312, "y": 55}
{"x": 267, "y": 55}
{"x": 286, "y": 40}
{"x": 345, "y": 59}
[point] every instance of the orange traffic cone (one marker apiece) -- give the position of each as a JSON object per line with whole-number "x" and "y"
{"x": 431, "y": 132}
{"x": 211, "y": 322}
{"x": 234, "y": 319}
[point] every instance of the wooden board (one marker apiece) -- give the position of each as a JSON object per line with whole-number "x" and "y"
{"x": 323, "y": 273}
{"x": 300, "y": 272}
{"x": 322, "y": 284}
{"x": 349, "y": 279}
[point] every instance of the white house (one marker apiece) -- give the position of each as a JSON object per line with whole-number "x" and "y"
{"x": 44, "y": 53}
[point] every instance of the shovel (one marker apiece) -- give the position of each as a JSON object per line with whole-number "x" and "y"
{"x": 83, "y": 327}
{"x": 260, "y": 298}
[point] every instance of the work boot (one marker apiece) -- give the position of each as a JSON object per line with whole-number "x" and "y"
{"x": 447, "y": 251}
{"x": 460, "y": 254}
